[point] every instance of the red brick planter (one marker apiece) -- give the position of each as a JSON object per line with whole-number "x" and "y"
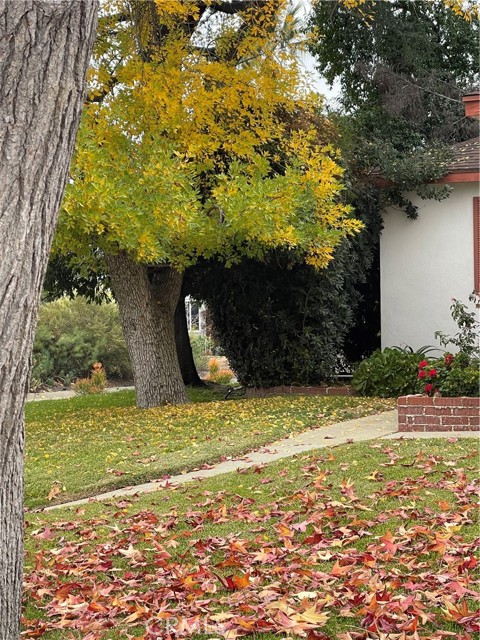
{"x": 264, "y": 392}
{"x": 421, "y": 413}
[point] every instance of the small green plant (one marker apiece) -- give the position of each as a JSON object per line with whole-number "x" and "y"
{"x": 388, "y": 373}
{"x": 96, "y": 383}
{"x": 467, "y": 338}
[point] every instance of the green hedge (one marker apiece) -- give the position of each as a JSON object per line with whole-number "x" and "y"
{"x": 71, "y": 336}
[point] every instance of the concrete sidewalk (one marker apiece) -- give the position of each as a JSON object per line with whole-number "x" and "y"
{"x": 383, "y": 425}
{"x": 62, "y": 395}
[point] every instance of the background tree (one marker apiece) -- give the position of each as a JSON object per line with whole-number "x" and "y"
{"x": 43, "y": 61}
{"x": 69, "y": 276}
{"x": 198, "y": 120}
{"x": 402, "y": 67}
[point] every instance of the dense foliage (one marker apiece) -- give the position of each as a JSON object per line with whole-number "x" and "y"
{"x": 402, "y": 67}
{"x": 70, "y": 276}
{"x": 450, "y": 376}
{"x": 281, "y": 321}
{"x": 71, "y": 336}
{"x": 387, "y": 374}
{"x": 216, "y": 136}
{"x": 409, "y": 59}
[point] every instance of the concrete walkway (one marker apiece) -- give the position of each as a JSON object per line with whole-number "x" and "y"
{"x": 382, "y": 425}
{"x": 62, "y": 395}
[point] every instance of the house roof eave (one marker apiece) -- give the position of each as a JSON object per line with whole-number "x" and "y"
{"x": 459, "y": 176}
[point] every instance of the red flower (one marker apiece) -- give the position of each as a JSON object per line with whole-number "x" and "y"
{"x": 423, "y": 364}
{"x": 449, "y": 358}
{"x": 428, "y": 387}
{"x": 422, "y": 373}
{"x": 432, "y": 373}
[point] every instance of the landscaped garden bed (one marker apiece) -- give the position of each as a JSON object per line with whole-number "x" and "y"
{"x": 439, "y": 393}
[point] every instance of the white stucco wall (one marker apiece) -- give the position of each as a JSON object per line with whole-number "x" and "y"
{"x": 424, "y": 263}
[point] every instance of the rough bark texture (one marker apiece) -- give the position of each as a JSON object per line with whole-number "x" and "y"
{"x": 184, "y": 348}
{"x": 147, "y": 303}
{"x": 44, "y": 53}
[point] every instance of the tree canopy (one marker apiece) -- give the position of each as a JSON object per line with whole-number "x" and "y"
{"x": 200, "y": 139}
{"x": 408, "y": 61}
{"x": 402, "y": 67}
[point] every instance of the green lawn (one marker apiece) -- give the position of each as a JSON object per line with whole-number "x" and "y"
{"x": 363, "y": 541}
{"x": 86, "y": 445}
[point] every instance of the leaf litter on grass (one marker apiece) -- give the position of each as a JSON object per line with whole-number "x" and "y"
{"x": 90, "y": 450}
{"x": 323, "y": 552}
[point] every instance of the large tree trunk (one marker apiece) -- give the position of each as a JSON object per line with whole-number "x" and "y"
{"x": 184, "y": 348}
{"x": 44, "y": 52}
{"x": 147, "y": 301}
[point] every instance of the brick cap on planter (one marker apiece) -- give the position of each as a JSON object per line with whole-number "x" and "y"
{"x": 425, "y": 413}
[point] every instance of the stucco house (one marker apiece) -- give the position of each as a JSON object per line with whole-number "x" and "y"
{"x": 424, "y": 263}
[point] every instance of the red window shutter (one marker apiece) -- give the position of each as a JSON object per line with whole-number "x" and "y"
{"x": 476, "y": 243}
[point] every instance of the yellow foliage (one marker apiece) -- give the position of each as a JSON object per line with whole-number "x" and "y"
{"x": 468, "y": 9}
{"x": 201, "y": 142}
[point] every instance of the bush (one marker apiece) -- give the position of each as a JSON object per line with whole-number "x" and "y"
{"x": 455, "y": 375}
{"x": 215, "y": 374}
{"x": 450, "y": 376}
{"x": 387, "y": 374}
{"x": 202, "y": 348}
{"x": 71, "y": 334}
{"x": 462, "y": 382}
{"x": 280, "y": 321}
{"x": 394, "y": 372}
{"x": 96, "y": 383}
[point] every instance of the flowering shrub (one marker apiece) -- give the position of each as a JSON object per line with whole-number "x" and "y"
{"x": 395, "y": 372}
{"x": 455, "y": 375}
{"x": 215, "y": 374}
{"x": 96, "y": 383}
{"x": 452, "y": 375}
{"x": 467, "y": 339}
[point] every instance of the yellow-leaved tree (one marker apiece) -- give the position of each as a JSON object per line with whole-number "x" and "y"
{"x": 198, "y": 140}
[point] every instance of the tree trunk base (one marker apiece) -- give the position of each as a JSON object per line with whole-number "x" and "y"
{"x": 147, "y": 303}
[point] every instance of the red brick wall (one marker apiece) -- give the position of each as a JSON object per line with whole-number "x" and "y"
{"x": 261, "y": 392}
{"x": 421, "y": 413}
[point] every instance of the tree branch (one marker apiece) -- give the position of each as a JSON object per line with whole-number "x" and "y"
{"x": 237, "y": 6}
